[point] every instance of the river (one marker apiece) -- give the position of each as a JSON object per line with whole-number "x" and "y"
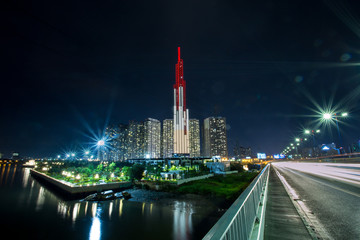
{"x": 30, "y": 210}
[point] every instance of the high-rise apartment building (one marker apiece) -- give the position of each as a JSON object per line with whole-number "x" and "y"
{"x": 122, "y": 141}
{"x": 113, "y": 151}
{"x": 152, "y": 138}
{"x": 135, "y": 140}
{"x": 181, "y": 114}
{"x": 241, "y": 152}
{"x": 168, "y": 138}
{"x": 214, "y": 137}
{"x": 194, "y": 138}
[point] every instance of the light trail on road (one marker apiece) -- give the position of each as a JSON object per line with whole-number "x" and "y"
{"x": 330, "y": 192}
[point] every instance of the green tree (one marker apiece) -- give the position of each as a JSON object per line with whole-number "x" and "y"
{"x": 126, "y": 171}
{"x": 136, "y": 172}
{"x": 100, "y": 168}
{"x": 111, "y": 167}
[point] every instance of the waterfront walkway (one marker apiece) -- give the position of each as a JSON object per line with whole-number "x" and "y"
{"x": 282, "y": 221}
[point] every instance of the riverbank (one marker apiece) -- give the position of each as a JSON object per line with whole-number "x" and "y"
{"x": 228, "y": 187}
{"x": 221, "y": 190}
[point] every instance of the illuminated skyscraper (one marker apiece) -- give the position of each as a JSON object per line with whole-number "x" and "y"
{"x": 181, "y": 114}
{"x": 168, "y": 138}
{"x": 152, "y": 133}
{"x": 214, "y": 137}
{"x": 194, "y": 138}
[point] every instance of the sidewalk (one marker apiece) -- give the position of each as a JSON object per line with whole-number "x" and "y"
{"x": 282, "y": 221}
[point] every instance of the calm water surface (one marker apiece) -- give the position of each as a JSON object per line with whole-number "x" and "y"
{"x": 28, "y": 210}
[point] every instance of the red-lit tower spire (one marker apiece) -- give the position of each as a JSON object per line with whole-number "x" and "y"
{"x": 181, "y": 114}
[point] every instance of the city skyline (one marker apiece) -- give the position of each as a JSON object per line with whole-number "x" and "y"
{"x": 267, "y": 72}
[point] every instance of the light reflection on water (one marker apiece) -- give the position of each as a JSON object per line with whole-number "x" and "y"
{"x": 40, "y": 199}
{"x": 37, "y": 206}
{"x": 182, "y": 220}
{"x": 95, "y": 229}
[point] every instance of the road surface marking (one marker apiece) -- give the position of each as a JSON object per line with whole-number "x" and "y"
{"x": 313, "y": 225}
{"x": 337, "y": 188}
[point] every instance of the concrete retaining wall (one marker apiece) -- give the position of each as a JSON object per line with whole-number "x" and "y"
{"x": 182, "y": 181}
{"x": 75, "y": 189}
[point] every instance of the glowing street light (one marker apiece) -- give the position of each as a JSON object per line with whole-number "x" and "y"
{"x": 307, "y": 131}
{"x": 101, "y": 143}
{"x": 334, "y": 116}
{"x": 327, "y": 116}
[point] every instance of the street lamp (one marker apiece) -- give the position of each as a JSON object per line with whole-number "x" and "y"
{"x": 329, "y": 116}
{"x": 312, "y": 133}
{"x": 100, "y": 143}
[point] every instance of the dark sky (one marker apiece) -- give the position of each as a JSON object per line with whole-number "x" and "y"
{"x": 67, "y": 65}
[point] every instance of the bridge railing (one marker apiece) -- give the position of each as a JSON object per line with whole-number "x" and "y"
{"x": 246, "y": 214}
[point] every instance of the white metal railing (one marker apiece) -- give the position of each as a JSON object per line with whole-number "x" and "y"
{"x": 239, "y": 220}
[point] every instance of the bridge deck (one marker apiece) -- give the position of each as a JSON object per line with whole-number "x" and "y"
{"x": 282, "y": 221}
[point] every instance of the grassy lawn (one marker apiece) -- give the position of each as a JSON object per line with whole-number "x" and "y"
{"x": 228, "y": 186}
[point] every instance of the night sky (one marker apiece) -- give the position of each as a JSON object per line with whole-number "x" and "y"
{"x": 70, "y": 66}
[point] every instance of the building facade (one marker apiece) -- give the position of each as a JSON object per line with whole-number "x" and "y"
{"x": 242, "y": 152}
{"x": 168, "y": 138}
{"x": 113, "y": 151}
{"x": 214, "y": 137}
{"x": 122, "y": 142}
{"x": 152, "y": 138}
{"x": 135, "y": 140}
{"x": 194, "y": 138}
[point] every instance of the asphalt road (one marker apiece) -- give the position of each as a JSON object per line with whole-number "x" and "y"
{"x": 330, "y": 192}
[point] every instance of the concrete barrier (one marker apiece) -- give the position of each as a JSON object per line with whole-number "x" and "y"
{"x": 76, "y": 189}
{"x": 182, "y": 181}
